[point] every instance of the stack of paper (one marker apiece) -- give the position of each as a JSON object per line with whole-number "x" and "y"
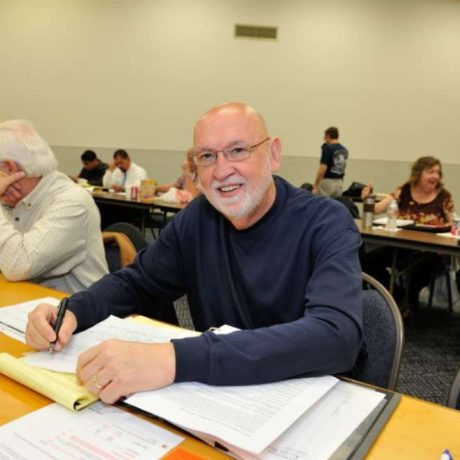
{"x": 300, "y": 418}
{"x": 308, "y": 418}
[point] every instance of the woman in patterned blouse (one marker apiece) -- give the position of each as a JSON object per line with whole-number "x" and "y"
{"x": 424, "y": 200}
{"x": 423, "y": 197}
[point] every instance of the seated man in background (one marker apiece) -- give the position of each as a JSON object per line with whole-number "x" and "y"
{"x": 123, "y": 173}
{"x": 252, "y": 251}
{"x": 93, "y": 169}
{"x": 188, "y": 180}
{"x": 49, "y": 226}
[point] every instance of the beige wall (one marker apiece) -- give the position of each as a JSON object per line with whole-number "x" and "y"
{"x": 136, "y": 74}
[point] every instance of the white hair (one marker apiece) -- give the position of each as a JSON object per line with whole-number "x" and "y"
{"x": 20, "y": 143}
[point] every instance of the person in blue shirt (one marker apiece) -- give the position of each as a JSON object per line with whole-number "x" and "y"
{"x": 252, "y": 251}
{"x": 331, "y": 171}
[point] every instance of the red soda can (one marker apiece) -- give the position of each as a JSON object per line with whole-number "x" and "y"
{"x": 134, "y": 192}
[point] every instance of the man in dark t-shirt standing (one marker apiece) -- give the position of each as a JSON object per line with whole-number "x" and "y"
{"x": 329, "y": 178}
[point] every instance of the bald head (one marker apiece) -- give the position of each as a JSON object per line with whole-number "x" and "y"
{"x": 229, "y": 119}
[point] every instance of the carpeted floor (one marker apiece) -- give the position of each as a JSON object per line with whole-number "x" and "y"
{"x": 431, "y": 355}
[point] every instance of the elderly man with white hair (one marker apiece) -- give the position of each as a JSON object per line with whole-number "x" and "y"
{"x": 49, "y": 226}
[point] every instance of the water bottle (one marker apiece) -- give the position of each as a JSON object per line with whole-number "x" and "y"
{"x": 455, "y": 230}
{"x": 368, "y": 210}
{"x": 392, "y": 212}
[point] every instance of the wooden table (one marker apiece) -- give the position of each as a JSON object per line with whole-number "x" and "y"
{"x": 17, "y": 400}
{"x": 408, "y": 239}
{"x": 417, "y": 429}
{"x": 144, "y": 206}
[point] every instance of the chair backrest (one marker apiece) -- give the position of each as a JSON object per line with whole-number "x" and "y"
{"x": 119, "y": 251}
{"x": 454, "y": 393}
{"x": 133, "y": 233}
{"x": 349, "y": 204}
{"x": 384, "y": 335}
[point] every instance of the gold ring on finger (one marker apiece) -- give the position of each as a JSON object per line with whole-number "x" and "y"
{"x": 96, "y": 383}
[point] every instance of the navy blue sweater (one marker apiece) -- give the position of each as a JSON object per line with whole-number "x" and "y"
{"x": 292, "y": 282}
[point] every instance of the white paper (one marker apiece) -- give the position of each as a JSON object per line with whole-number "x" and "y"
{"x": 169, "y": 196}
{"x": 100, "y": 432}
{"x": 13, "y": 319}
{"x": 399, "y": 222}
{"x": 224, "y": 329}
{"x": 449, "y": 235}
{"x": 250, "y": 417}
{"x": 111, "y": 328}
{"x": 321, "y": 430}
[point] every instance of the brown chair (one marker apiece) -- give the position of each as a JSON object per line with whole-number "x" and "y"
{"x": 119, "y": 250}
{"x": 133, "y": 233}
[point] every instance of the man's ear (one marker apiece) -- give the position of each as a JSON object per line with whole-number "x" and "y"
{"x": 275, "y": 148}
{"x": 10, "y": 166}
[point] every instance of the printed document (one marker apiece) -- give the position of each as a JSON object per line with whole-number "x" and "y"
{"x": 322, "y": 429}
{"x": 250, "y": 417}
{"x": 99, "y": 433}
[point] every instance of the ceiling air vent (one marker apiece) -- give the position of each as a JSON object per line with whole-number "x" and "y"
{"x": 244, "y": 31}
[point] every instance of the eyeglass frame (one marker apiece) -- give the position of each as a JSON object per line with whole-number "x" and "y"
{"x": 226, "y": 154}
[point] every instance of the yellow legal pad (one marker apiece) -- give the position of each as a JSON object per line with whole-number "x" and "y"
{"x": 58, "y": 386}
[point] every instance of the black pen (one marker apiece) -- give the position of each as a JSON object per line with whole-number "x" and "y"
{"x": 60, "y": 316}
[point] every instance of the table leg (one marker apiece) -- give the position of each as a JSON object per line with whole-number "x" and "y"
{"x": 142, "y": 222}
{"x": 393, "y": 271}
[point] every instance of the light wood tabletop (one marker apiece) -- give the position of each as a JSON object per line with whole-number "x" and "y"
{"x": 416, "y": 430}
{"x": 410, "y": 239}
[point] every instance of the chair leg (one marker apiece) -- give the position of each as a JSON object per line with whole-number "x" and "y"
{"x": 154, "y": 235}
{"x": 449, "y": 290}
{"x": 430, "y": 298}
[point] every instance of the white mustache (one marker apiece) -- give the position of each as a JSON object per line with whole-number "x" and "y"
{"x": 235, "y": 180}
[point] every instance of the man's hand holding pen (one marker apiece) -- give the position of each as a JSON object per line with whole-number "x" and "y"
{"x": 62, "y": 309}
{"x": 42, "y": 325}
{"x": 112, "y": 369}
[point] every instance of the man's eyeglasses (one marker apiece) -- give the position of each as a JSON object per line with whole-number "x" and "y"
{"x": 236, "y": 152}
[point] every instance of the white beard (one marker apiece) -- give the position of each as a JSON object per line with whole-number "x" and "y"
{"x": 243, "y": 203}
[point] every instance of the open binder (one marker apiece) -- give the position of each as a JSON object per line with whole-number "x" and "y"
{"x": 316, "y": 436}
{"x": 356, "y": 446}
